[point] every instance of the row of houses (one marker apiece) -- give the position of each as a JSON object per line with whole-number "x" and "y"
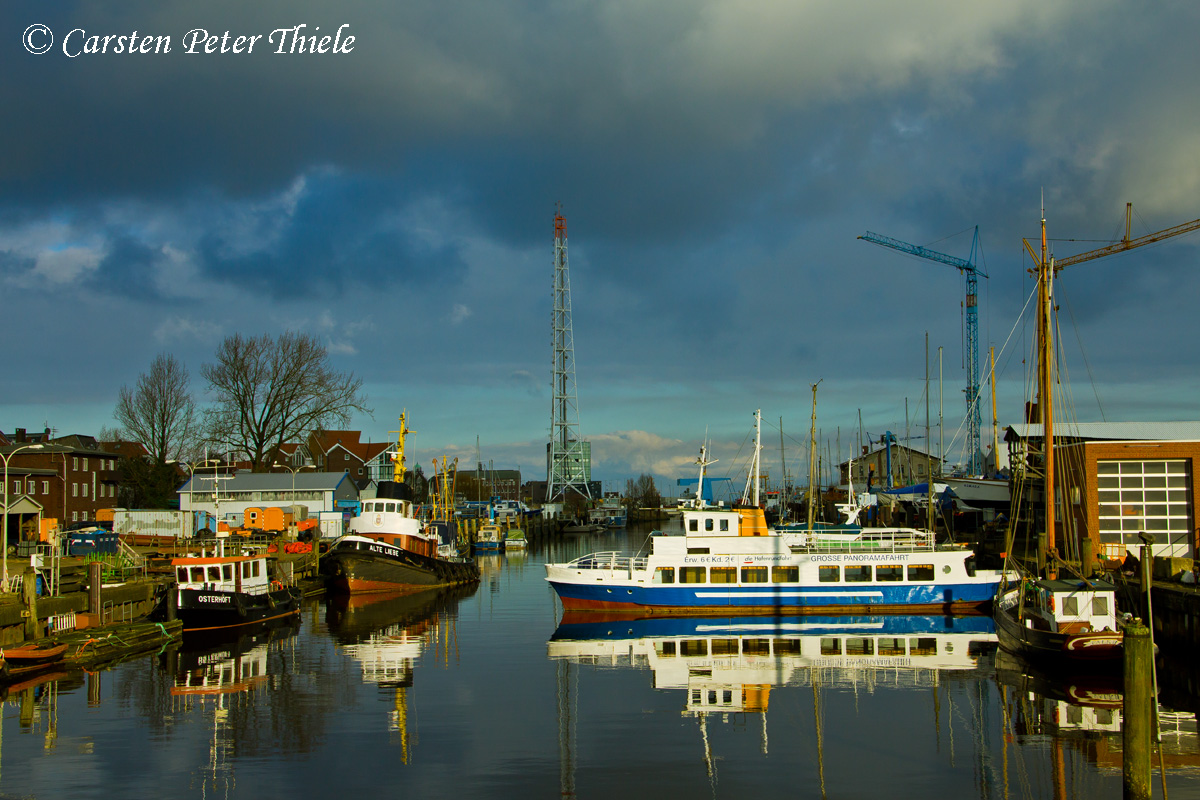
{"x": 72, "y": 478}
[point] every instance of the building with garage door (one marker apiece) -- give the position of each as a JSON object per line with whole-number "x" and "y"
{"x": 1120, "y": 480}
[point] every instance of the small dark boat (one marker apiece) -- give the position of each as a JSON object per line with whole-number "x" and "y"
{"x": 222, "y": 591}
{"x": 34, "y": 653}
{"x": 1060, "y": 622}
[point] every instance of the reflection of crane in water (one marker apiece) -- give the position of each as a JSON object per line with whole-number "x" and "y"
{"x": 566, "y": 730}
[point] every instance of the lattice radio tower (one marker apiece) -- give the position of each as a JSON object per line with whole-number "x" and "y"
{"x": 568, "y": 459}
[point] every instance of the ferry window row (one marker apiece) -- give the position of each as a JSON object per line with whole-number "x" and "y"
{"x": 831, "y": 573}
{"x": 722, "y": 526}
{"x": 830, "y": 646}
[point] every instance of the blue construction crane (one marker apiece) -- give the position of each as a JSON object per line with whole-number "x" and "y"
{"x": 965, "y": 267}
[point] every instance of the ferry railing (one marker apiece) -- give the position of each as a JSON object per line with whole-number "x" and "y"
{"x": 611, "y": 561}
{"x": 872, "y": 540}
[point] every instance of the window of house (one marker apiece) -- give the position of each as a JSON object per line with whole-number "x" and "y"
{"x": 85, "y": 464}
{"x": 74, "y": 462}
{"x": 83, "y": 516}
{"x": 74, "y": 516}
{"x": 345, "y": 457}
{"x": 45, "y": 487}
{"x": 74, "y": 490}
{"x": 1149, "y": 496}
{"x": 16, "y": 487}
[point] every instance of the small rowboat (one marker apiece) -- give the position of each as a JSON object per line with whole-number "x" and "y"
{"x": 29, "y": 654}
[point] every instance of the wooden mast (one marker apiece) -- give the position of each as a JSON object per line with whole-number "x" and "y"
{"x": 1046, "y": 390}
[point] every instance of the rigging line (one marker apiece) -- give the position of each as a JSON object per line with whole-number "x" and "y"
{"x": 1083, "y": 354}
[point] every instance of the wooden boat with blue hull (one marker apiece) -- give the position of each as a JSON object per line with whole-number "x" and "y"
{"x": 226, "y": 592}
{"x": 729, "y": 561}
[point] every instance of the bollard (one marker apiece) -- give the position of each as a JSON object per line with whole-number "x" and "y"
{"x": 94, "y": 589}
{"x": 1135, "y": 725}
{"x": 173, "y": 603}
{"x": 29, "y": 600}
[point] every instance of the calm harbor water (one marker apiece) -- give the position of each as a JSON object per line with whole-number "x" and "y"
{"x": 482, "y": 693}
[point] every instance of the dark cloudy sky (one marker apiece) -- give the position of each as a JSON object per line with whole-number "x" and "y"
{"x": 715, "y": 161}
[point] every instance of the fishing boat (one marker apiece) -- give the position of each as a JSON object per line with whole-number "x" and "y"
{"x": 727, "y": 560}
{"x": 390, "y": 548}
{"x": 1057, "y": 619}
{"x": 609, "y": 514}
{"x": 218, "y": 591}
{"x": 514, "y": 539}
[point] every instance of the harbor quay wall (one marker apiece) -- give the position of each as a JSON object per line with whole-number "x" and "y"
{"x": 128, "y": 601}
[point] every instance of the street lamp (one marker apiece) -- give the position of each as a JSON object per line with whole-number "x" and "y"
{"x": 293, "y": 470}
{"x": 6, "y": 457}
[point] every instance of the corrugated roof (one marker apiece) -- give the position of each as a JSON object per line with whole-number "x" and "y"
{"x": 1117, "y": 431}
{"x": 270, "y": 481}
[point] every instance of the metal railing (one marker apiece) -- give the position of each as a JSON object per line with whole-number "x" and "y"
{"x": 875, "y": 540}
{"x": 610, "y": 560}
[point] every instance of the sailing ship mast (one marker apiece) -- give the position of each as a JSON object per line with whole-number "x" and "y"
{"x": 812, "y": 456}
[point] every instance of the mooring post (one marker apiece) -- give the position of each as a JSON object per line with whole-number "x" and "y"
{"x": 29, "y": 600}
{"x": 94, "y": 591}
{"x": 1137, "y": 711}
{"x": 1087, "y": 557}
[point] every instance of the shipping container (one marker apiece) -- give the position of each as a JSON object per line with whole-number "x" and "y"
{"x": 172, "y": 524}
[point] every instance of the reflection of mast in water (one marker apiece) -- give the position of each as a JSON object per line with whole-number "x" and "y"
{"x": 565, "y": 701}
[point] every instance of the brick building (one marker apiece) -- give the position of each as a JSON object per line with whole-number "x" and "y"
{"x": 1121, "y": 479}
{"x": 67, "y": 478}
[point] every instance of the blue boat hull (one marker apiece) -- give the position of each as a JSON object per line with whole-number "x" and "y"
{"x": 773, "y": 599}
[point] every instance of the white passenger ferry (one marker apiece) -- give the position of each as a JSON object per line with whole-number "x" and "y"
{"x": 729, "y": 561}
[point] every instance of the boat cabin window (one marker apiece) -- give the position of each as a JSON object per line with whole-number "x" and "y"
{"x": 254, "y": 568}
{"x": 181, "y": 574}
{"x": 754, "y": 574}
{"x": 693, "y": 647}
{"x": 245, "y": 569}
{"x": 722, "y": 575}
{"x": 859, "y": 646}
{"x": 1099, "y": 606}
{"x": 390, "y": 507}
{"x": 1071, "y": 606}
{"x": 664, "y": 575}
{"x": 756, "y": 647}
{"x": 227, "y": 572}
{"x": 829, "y": 573}
{"x": 691, "y": 575}
{"x": 786, "y": 647}
{"x": 785, "y": 574}
{"x": 708, "y": 524}
{"x": 665, "y": 648}
{"x": 724, "y": 647}
{"x": 197, "y": 575}
{"x": 214, "y": 573}
{"x": 831, "y": 646}
{"x": 891, "y": 646}
{"x": 857, "y": 574}
{"x": 693, "y": 525}
{"x": 725, "y": 525}
{"x": 889, "y": 572}
{"x": 924, "y": 646}
{"x": 920, "y": 572}
{"x": 697, "y": 551}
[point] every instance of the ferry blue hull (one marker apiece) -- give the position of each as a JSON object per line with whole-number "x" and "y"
{"x": 772, "y": 599}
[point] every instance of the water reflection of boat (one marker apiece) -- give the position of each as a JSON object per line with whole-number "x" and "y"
{"x": 386, "y": 634}
{"x": 216, "y": 665}
{"x": 730, "y": 663}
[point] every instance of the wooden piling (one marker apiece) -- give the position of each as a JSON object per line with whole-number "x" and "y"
{"x": 94, "y": 579}
{"x": 1137, "y": 711}
{"x": 29, "y": 601}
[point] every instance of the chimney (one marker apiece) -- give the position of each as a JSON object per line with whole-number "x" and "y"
{"x": 19, "y": 436}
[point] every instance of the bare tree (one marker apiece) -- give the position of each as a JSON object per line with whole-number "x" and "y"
{"x": 270, "y": 391}
{"x": 160, "y": 413}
